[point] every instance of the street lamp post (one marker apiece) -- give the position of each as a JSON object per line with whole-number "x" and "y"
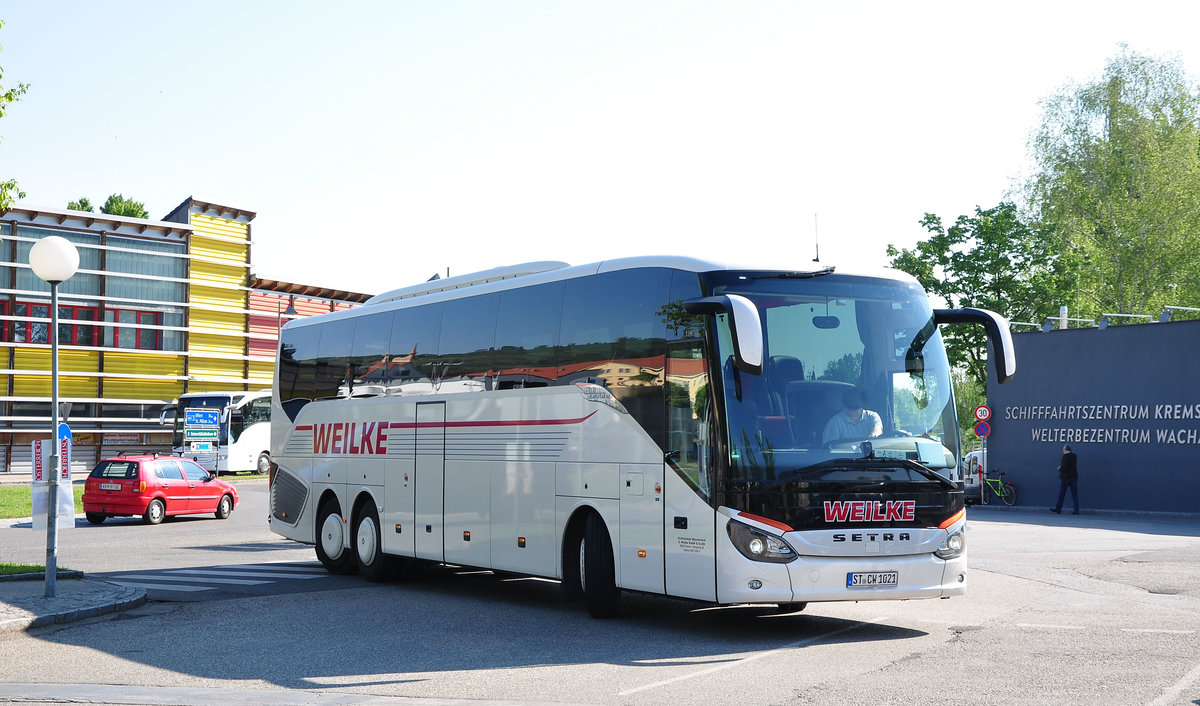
{"x": 54, "y": 259}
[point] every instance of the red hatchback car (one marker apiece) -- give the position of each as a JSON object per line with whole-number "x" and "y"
{"x": 154, "y": 487}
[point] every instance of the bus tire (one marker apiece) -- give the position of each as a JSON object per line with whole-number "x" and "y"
{"x": 572, "y": 589}
{"x": 373, "y": 564}
{"x": 597, "y": 575}
{"x": 263, "y": 465}
{"x": 331, "y": 550}
{"x": 785, "y": 608}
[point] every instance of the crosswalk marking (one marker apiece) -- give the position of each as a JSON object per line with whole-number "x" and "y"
{"x": 304, "y": 569}
{"x": 198, "y": 579}
{"x": 186, "y": 580}
{"x": 162, "y": 586}
{"x": 252, "y": 574}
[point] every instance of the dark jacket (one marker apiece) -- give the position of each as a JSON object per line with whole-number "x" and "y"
{"x": 1067, "y": 469}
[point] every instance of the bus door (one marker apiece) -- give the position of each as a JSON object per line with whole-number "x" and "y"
{"x": 430, "y": 454}
{"x": 689, "y": 521}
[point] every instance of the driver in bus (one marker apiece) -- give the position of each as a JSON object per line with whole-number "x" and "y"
{"x": 855, "y": 421}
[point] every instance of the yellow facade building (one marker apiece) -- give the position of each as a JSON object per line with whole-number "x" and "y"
{"x": 157, "y": 308}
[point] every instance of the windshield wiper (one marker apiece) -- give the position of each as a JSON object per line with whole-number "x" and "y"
{"x": 879, "y": 464}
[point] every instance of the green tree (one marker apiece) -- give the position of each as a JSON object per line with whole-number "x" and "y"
{"x": 1117, "y": 171}
{"x": 991, "y": 260}
{"x": 9, "y": 190}
{"x": 83, "y": 204}
{"x": 968, "y": 394}
{"x": 848, "y": 368}
{"x": 118, "y": 205}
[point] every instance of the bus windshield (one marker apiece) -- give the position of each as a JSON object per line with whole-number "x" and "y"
{"x": 853, "y": 369}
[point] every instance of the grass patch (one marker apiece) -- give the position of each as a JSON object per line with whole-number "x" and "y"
{"x": 17, "y": 500}
{"x": 12, "y": 569}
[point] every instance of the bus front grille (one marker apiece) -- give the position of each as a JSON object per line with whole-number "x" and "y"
{"x": 288, "y": 494}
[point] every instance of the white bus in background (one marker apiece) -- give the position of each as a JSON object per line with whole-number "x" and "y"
{"x": 224, "y": 431}
{"x": 649, "y": 424}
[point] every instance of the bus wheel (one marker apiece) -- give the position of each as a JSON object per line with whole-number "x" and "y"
{"x": 263, "y": 465}
{"x": 330, "y": 540}
{"x": 597, "y": 576}
{"x": 373, "y": 565}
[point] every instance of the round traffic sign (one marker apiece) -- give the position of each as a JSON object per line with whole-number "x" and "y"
{"x": 982, "y": 429}
{"x": 983, "y": 413}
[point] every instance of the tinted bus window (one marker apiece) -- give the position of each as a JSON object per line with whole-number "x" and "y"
{"x": 369, "y": 354}
{"x": 333, "y": 360}
{"x": 527, "y": 336}
{"x": 413, "y": 349}
{"x": 613, "y": 332}
{"x": 298, "y": 367}
{"x": 464, "y": 357}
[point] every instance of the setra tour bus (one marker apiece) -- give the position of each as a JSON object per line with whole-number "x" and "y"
{"x": 223, "y": 431}
{"x": 660, "y": 425}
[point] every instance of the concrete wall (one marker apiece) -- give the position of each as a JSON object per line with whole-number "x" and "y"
{"x": 1126, "y": 399}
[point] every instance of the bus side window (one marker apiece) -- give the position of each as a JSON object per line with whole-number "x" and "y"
{"x": 464, "y": 353}
{"x": 526, "y": 336}
{"x": 297, "y": 368}
{"x": 412, "y": 350}
{"x": 688, "y": 408}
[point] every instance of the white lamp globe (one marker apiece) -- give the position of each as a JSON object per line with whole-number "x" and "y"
{"x": 54, "y": 259}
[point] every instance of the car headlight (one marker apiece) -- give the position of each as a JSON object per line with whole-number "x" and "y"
{"x": 759, "y": 546}
{"x": 953, "y": 546}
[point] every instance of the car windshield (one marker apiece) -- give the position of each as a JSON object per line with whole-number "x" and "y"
{"x": 853, "y": 368}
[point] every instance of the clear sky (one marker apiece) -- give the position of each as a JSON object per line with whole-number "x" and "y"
{"x": 382, "y": 142}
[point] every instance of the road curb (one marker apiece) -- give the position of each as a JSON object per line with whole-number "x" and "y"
{"x": 98, "y": 598}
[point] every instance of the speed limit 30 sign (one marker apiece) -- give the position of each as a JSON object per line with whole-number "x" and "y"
{"x": 983, "y": 413}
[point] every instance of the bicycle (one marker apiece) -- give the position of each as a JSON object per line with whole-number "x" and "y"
{"x": 1005, "y": 490}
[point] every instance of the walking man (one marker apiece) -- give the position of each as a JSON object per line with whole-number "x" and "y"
{"x": 1068, "y": 476}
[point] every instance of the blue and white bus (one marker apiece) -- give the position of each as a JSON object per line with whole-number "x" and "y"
{"x": 644, "y": 424}
{"x": 224, "y": 431}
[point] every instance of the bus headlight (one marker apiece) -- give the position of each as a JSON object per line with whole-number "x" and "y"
{"x": 953, "y": 546}
{"x": 759, "y": 546}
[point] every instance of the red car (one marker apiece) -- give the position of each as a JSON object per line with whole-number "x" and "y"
{"x": 154, "y": 487}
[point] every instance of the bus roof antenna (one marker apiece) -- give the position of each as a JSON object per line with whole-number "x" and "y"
{"x": 816, "y": 241}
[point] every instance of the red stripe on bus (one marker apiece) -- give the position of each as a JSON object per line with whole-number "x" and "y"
{"x": 766, "y": 521}
{"x": 493, "y": 423}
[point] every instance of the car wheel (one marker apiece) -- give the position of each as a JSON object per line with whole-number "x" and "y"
{"x": 95, "y": 517}
{"x": 373, "y": 564}
{"x": 263, "y": 465}
{"x": 331, "y": 549}
{"x": 155, "y": 512}
{"x": 225, "y": 507}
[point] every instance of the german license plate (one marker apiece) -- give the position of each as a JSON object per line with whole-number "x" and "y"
{"x": 872, "y": 579}
{"x": 110, "y": 486}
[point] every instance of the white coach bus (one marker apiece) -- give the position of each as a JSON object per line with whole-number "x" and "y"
{"x": 226, "y": 431}
{"x": 648, "y": 424}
